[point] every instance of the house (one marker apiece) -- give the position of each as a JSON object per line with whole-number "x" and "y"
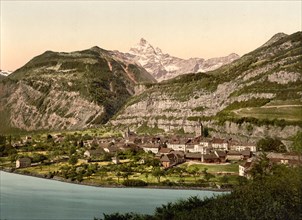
{"x": 284, "y": 158}
{"x": 237, "y": 146}
{"x": 210, "y": 158}
{"x": 94, "y": 153}
{"x": 23, "y": 162}
{"x": 205, "y": 142}
{"x": 115, "y": 160}
{"x": 130, "y": 136}
{"x": 172, "y": 158}
{"x": 245, "y": 168}
{"x": 180, "y": 156}
{"x": 164, "y": 150}
{"x": 201, "y": 149}
{"x": 190, "y": 148}
{"x": 112, "y": 149}
{"x": 246, "y": 154}
{"x": 154, "y": 148}
{"x": 177, "y": 143}
{"x": 234, "y": 155}
{"x": 219, "y": 144}
{"x": 221, "y": 155}
{"x": 168, "y": 160}
{"x": 196, "y": 156}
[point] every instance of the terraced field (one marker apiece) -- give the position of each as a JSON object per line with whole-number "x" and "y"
{"x": 288, "y": 110}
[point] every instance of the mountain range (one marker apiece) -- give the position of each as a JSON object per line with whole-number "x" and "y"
{"x": 255, "y": 95}
{"x": 258, "y": 94}
{"x": 164, "y": 66}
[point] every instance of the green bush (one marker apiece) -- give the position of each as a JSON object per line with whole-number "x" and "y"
{"x": 134, "y": 182}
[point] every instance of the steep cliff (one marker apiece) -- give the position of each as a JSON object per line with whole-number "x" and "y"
{"x": 258, "y": 94}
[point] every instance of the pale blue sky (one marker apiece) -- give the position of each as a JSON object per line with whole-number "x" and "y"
{"x": 181, "y": 28}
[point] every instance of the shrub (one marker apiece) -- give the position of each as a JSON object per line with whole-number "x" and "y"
{"x": 131, "y": 182}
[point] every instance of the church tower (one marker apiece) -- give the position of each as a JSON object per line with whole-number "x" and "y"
{"x": 198, "y": 129}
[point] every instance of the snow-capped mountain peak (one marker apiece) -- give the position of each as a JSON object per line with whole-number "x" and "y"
{"x": 163, "y": 66}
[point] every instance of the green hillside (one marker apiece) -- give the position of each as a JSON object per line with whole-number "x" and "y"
{"x": 68, "y": 90}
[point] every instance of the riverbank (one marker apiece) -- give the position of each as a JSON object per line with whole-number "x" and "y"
{"x": 60, "y": 179}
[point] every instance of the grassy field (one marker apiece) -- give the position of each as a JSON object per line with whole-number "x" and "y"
{"x": 43, "y": 169}
{"x": 284, "y": 102}
{"x": 214, "y": 168}
{"x": 273, "y": 111}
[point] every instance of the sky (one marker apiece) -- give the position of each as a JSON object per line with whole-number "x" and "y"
{"x": 184, "y": 29}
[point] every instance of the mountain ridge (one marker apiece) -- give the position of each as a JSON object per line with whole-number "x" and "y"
{"x": 164, "y": 66}
{"x": 59, "y": 90}
{"x": 230, "y": 99}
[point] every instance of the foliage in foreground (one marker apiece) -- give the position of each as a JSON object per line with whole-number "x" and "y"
{"x": 274, "y": 196}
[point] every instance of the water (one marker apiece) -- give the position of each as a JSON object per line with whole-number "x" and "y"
{"x": 24, "y": 197}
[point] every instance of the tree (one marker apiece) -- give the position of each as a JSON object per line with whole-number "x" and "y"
{"x": 2, "y": 140}
{"x": 102, "y": 174}
{"x": 194, "y": 172}
{"x": 205, "y": 132}
{"x": 147, "y": 176}
{"x": 72, "y": 150}
{"x": 180, "y": 172}
{"x": 49, "y": 138}
{"x": 79, "y": 177}
{"x": 207, "y": 176}
{"x": 157, "y": 172}
{"x": 261, "y": 168}
{"x": 297, "y": 143}
{"x": 271, "y": 144}
{"x": 118, "y": 175}
{"x": 224, "y": 179}
{"x": 36, "y": 158}
{"x": 73, "y": 160}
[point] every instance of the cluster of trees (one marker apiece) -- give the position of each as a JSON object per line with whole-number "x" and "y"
{"x": 269, "y": 144}
{"x": 276, "y": 194}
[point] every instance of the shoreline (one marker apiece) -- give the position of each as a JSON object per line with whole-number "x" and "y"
{"x": 60, "y": 179}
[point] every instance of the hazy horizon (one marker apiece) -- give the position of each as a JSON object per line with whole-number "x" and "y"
{"x": 184, "y": 29}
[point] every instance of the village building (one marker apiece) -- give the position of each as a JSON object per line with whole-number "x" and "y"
{"x": 115, "y": 160}
{"x": 233, "y": 155}
{"x": 195, "y": 156}
{"x": 113, "y": 148}
{"x": 221, "y": 155}
{"x": 284, "y": 158}
{"x": 172, "y": 159}
{"x": 177, "y": 143}
{"x": 94, "y": 153}
{"x": 23, "y": 162}
{"x": 149, "y": 147}
{"x": 246, "y": 154}
{"x": 210, "y": 158}
{"x": 245, "y": 168}
{"x": 219, "y": 144}
{"x": 164, "y": 150}
{"x": 237, "y": 146}
{"x": 205, "y": 142}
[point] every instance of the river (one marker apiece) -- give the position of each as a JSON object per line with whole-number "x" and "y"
{"x": 29, "y": 198}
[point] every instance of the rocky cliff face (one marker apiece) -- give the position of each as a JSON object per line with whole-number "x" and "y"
{"x": 164, "y": 66}
{"x": 68, "y": 90}
{"x": 256, "y": 95}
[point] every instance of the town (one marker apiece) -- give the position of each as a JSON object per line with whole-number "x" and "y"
{"x": 193, "y": 160}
